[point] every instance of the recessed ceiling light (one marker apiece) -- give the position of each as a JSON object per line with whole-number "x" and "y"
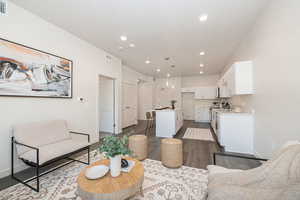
{"x": 203, "y": 17}
{"x": 201, "y": 65}
{"x": 168, "y": 75}
{"x": 147, "y": 61}
{"x": 202, "y": 53}
{"x": 157, "y": 70}
{"x": 132, "y": 45}
{"x": 121, "y": 48}
{"x": 201, "y": 72}
{"x": 123, "y": 37}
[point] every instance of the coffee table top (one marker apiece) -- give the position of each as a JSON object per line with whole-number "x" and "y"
{"x": 109, "y": 184}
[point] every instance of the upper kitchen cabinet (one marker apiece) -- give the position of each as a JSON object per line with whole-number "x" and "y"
{"x": 205, "y": 93}
{"x": 188, "y": 90}
{"x": 223, "y": 84}
{"x": 238, "y": 80}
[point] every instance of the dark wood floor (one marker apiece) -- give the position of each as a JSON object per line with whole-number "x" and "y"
{"x": 196, "y": 153}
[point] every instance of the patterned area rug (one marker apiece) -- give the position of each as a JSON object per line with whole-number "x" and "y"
{"x": 160, "y": 183}
{"x": 198, "y": 134}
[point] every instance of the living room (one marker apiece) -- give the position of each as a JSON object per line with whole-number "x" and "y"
{"x": 184, "y": 60}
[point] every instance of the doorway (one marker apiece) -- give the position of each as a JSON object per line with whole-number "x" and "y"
{"x": 107, "y": 116}
{"x": 188, "y": 106}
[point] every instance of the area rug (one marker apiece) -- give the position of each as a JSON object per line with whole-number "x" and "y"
{"x": 198, "y": 134}
{"x": 160, "y": 183}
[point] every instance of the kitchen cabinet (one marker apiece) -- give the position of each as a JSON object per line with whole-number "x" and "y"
{"x": 168, "y": 122}
{"x": 242, "y": 75}
{"x": 238, "y": 80}
{"x": 233, "y": 137}
{"x": 223, "y": 87}
{"x": 202, "y": 113}
{"x": 188, "y": 90}
{"x": 206, "y": 93}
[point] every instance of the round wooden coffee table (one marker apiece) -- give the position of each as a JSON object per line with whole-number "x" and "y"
{"x": 108, "y": 188}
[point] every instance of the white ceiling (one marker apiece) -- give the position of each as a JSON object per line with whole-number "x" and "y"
{"x": 158, "y": 28}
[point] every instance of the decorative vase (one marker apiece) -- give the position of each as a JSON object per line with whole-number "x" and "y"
{"x": 115, "y": 165}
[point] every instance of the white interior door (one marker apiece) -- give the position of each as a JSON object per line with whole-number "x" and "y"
{"x": 106, "y": 105}
{"x": 188, "y": 106}
{"x": 145, "y": 99}
{"x": 129, "y": 107}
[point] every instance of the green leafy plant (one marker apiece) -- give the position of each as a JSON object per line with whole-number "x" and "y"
{"x": 113, "y": 146}
{"x": 173, "y": 103}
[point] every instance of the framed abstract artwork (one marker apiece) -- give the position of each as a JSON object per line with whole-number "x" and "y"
{"x": 28, "y": 72}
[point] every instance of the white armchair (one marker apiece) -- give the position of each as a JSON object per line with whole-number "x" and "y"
{"x": 276, "y": 179}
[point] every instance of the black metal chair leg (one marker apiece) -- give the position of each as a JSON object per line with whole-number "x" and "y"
{"x": 89, "y": 155}
{"x": 12, "y": 156}
{"x": 214, "y": 159}
{"x": 38, "y": 171}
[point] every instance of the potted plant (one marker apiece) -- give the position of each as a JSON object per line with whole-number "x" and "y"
{"x": 173, "y": 104}
{"x": 114, "y": 147}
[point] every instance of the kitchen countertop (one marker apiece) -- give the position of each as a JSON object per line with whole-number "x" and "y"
{"x": 226, "y": 111}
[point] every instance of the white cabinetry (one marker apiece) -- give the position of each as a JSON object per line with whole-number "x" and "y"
{"x": 191, "y": 89}
{"x": 223, "y": 87}
{"x": 202, "y": 113}
{"x": 238, "y": 80}
{"x": 235, "y": 132}
{"x": 205, "y": 93}
{"x": 243, "y": 78}
{"x": 168, "y": 122}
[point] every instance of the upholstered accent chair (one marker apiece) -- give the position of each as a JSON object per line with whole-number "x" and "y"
{"x": 276, "y": 179}
{"x": 39, "y": 144}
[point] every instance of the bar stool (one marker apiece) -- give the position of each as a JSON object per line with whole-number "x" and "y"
{"x": 149, "y": 122}
{"x": 153, "y": 118}
{"x": 138, "y": 144}
{"x": 171, "y": 152}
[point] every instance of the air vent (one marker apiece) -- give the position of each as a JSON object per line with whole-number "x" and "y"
{"x": 3, "y": 7}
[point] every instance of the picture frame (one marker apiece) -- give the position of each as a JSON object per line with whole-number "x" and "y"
{"x": 29, "y": 72}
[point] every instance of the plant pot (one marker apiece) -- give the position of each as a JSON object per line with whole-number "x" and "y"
{"x": 115, "y": 166}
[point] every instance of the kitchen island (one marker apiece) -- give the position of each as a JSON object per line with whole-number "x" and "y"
{"x": 168, "y": 122}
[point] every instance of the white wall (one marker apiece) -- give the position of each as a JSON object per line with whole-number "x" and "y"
{"x": 273, "y": 45}
{"x": 199, "y": 81}
{"x": 88, "y": 61}
{"x": 163, "y": 93}
{"x": 131, "y": 76}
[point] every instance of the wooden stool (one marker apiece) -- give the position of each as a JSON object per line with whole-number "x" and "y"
{"x": 139, "y": 145}
{"x": 171, "y": 152}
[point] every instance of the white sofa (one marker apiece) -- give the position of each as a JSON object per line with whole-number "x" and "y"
{"x": 41, "y": 143}
{"x": 52, "y": 138}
